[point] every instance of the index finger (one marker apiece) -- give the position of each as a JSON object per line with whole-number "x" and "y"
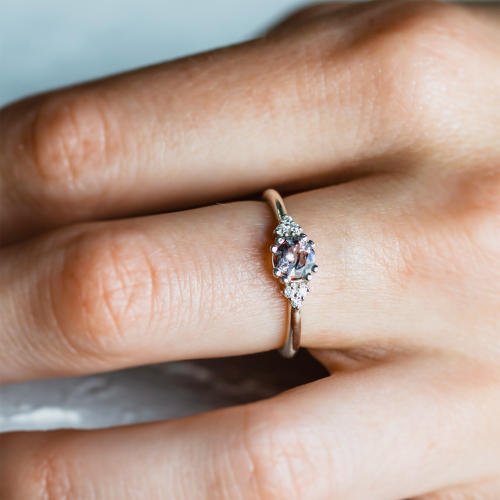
{"x": 294, "y": 110}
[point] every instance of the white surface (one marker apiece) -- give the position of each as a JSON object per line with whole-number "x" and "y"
{"x": 160, "y": 392}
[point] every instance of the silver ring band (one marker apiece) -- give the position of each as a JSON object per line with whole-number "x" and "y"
{"x": 294, "y": 261}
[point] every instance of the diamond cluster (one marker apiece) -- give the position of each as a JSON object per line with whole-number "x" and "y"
{"x": 287, "y": 227}
{"x": 294, "y": 260}
{"x": 296, "y": 292}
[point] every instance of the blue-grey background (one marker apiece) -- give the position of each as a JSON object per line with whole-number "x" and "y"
{"x": 51, "y": 43}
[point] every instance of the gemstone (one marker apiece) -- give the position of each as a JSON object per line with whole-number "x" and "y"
{"x": 294, "y": 258}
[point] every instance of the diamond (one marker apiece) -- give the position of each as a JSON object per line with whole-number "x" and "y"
{"x": 296, "y": 293}
{"x": 287, "y": 227}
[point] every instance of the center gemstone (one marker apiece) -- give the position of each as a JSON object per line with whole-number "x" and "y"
{"x": 294, "y": 258}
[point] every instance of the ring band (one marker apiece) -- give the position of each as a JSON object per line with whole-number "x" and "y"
{"x": 294, "y": 262}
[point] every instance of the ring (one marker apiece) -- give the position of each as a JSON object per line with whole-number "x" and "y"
{"x": 294, "y": 262}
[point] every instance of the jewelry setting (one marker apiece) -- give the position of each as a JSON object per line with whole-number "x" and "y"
{"x": 294, "y": 260}
{"x": 294, "y": 263}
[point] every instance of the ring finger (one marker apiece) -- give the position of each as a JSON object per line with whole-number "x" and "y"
{"x": 101, "y": 296}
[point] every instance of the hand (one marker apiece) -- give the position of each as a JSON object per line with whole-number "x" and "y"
{"x": 394, "y": 107}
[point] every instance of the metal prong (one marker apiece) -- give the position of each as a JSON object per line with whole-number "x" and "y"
{"x": 311, "y": 243}
{"x": 280, "y": 240}
{"x": 309, "y": 277}
{"x": 315, "y": 269}
{"x": 286, "y": 279}
{"x": 274, "y": 249}
{"x": 277, "y": 273}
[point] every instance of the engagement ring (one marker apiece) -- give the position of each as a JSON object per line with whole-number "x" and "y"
{"x": 294, "y": 262}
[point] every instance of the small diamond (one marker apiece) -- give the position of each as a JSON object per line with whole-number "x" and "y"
{"x": 288, "y": 292}
{"x": 296, "y": 302}
{"x": 287, "y": 227}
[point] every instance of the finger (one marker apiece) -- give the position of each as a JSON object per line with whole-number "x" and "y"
{"x": 103, "y": 296}
{"x": 108, "y": 295}
{"x": 487, "y": 489}
{"x": 297, "y": 110}
{"x": 394, "y": 431}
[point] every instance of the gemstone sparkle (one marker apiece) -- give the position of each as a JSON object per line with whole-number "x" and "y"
{"x": 294, "y": 258}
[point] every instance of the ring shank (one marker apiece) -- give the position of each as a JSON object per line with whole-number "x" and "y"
{"x": 293, "y": 326}
{"x": 275, "y": 201}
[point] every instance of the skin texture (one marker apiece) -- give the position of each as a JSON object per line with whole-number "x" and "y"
{"x": 381, "y": 123}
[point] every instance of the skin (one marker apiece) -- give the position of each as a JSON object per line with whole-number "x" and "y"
{"x": 381, "y": 123}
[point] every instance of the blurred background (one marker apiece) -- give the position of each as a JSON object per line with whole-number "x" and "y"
{"x": 46, "y": 44}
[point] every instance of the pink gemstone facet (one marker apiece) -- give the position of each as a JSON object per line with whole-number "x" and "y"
{"x": 294, "y": 258}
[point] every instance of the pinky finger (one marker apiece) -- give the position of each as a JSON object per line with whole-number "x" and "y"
{"x": 368, "y": 435}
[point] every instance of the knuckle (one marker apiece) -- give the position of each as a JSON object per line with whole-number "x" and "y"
{"x": 51, "y": 476}
{"x": 38, "y": 467}
{"x": 72, "y": 137}
{"x": 107, "y": 291}
{"x": 286, "y": 463}
{"x": 415, "y": 72}
{"x": 402, "y": 63}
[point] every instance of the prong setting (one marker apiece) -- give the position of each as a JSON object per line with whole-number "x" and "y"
{"x": 293, "y": 263}
{"x": 294, "y": 260}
